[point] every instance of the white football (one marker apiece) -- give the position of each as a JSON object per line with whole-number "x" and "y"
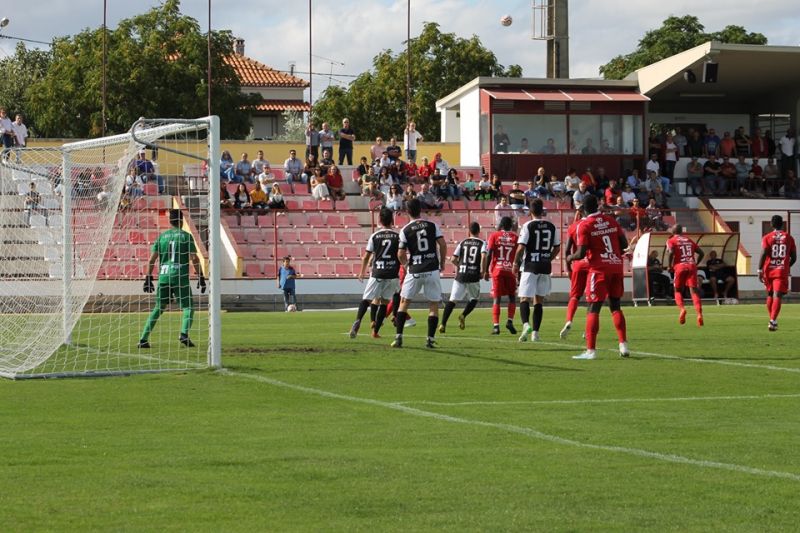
{"x": 506, "y": 20}
{"x": 292, "y": 308}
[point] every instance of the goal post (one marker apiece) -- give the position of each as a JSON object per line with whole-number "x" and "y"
{"x": 78, "y": 225}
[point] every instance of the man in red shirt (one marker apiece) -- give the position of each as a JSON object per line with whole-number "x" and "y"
{"x": 499, "y": 262}
{"x": 778, "y": 254}
{"x": 578, "y": 271}
{"x": 601, "y": 241}
{"x": 681, "y": 253}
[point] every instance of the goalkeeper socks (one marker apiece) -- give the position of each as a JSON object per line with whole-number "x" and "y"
{"x": 592, "y": 326}
{"x": 525, "y": 311}
{"x": 379, "y": 317}
{"x": 400, "y": 321}
{"x": 362, "y": 309}
{"x": 470, "y": 307}
{"x": 537, "y": 316}
{"x": 433, "y": 321}
{"x": 373, "y": 312}
{"x": 572, "y": 306}
{"x": 619, "y": 325}
{"x": 151, "y": 322}
{"x": 186, "y": 323}
{"x": 448, "y": 310}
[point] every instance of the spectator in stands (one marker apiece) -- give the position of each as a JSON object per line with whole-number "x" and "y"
{"x": 671, "y": 157}
{"x": 336, "y": 183}
{"x": 622, "y": 214}
{"x": 20, "y": 134}
{"x": 258, "y": 164}
{"x": 638, "y": 215}
{"x": 312, "y": 140}
{"x": 516, "y": 197}
{"x": 651, "y": 183}
{"x": 602, "y": 180}
{"x": 742, "y": 141}
{"x": 713, "y": 181}
{"x": 588, "y": 148}
{"x": 385, "y": 180}
{"x": 580, "y": 195}
{"x": 439, "y": 163}
{"x": 410, "y": 139}
{"x": 696, "y": 145}
{"x": 377, "y": 149}
{"x": 369, "y": 182}
{"x": 134, "y": 185}
{"x": 311, "y": 163}
{"x": 611, "y": 194}
{"x": 523, "y": 146}
{"x": 243, "y": 170}
{"x": 411, "y": 171}
{"x": 394, "y": 200}
{"x": 225, "y": 200}
{"x": 265, "y": 182}
{"x": 326, "y": 138}
{"x": 633, "y": 180}
{"x": 501, "y": 140}
{"x": 660, "y": 197}
{"x": 787, "y": 148}
{"x": 717, "y": 272}
{"x": 33, "y": 202}
{"x": 756, "y": 177}
{"x": 727, "y": 146}
{"x": 497, "y": 185}
{"x": 226, "y": 167}
{"x": 276, "y": 198}
{"x": 346, "y": 137}
{"x": 428, "y": 199}
{"x": 653, "y": 165}
{"x": 654, "y": 145}
{"x": 711, "y": 144}
{"x": 293, "y": 168}
{"x": 557, "y": 189}
{"x": 742, "y": 174}
{"x": 241, "y": 198}
{"x": 791, "y": 185}
{"x": 772, "y": 146}
{"x": 409, "y": 194}
{"x": 681, "y": 142}
{"x": 540, "y": 181}
{"x": 590, "y": 181}
{"x": 694, "y": 175}
{"x": 531, "y": 193}
{"x": 424, "y": 171}
{"x": 266, "y": 175}
{"x": 319, "y": 187}
{"x": 453, "y": 185}
{"x": 102, "y": 197}
{"x": 438, "y": 184}
{"x": 659, "y": 282}
{"x": 393, "y": 150}
{"x": 6, "y": 130}
{"x": 772, "y": 178}
{"x": 627, "y": 195}
{"x": 147, "y": 170}
{"x": 484, "y": 189}
{"x": 549, "y": 147}
{"x": 362, "y": 169}
{"x": 469, "y": 188}
{"x": 655, "y": 216}
{"x": 503, "y": 209}
{"x": 727, "y": 172}
{"x": 327, "y": 161}
{"x": 758, "y": 145}
{"x": 572, "y": 181}
{"x": 258, "y": 198}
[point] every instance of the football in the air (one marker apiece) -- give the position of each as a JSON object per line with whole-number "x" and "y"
{"x": 506, "y": 20}
{"x": 292, "y": 308}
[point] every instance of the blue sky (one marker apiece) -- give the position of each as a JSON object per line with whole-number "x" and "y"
{"x": 349, "y": 33}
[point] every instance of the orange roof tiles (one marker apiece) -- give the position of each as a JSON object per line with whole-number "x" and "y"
{"x": 282, "y": 105}
{"x": 255, "y": 74}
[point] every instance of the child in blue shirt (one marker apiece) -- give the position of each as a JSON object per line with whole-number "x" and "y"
{"x": 286, "y": 276}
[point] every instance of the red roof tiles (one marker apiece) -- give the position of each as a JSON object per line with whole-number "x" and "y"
{"x": 255, "y": 74}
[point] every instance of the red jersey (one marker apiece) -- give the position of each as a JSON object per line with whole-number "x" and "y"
{"x": 683, "y": 250}
{"x": 572, "y": 234}
{"x": 600, "y": 234}
{"x": 780, "y": 248}
{"x": 502, "y": 245}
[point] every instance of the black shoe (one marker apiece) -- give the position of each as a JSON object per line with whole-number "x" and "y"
{"x": 510, "y": 327}
{"x": 143, "y": 344}
{"x": 430, "y": 343}
{"x": 398, "y": 342}
{"x": 442, "y": 328}
{"x": 495, "y": 330}
{"x": 186, "y": 341}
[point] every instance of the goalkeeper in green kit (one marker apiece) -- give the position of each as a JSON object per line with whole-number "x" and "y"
{"x": 173, "y": 249}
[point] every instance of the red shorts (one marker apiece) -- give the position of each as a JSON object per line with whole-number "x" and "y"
{"x": 577, "y": 286}
{"x": 504, "y": 284}
{"x": 685, "y": 276}
{"x": 777, "y": 284}
{"x": 602, "y": 285}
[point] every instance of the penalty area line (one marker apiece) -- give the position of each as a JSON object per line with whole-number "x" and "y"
{"x": 604, "y": 400}
{"x": 520, "y": 430}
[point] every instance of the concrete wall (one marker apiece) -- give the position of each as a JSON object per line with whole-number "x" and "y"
{"x": 470, "y": 131}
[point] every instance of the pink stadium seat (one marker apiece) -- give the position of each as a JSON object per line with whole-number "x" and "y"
{"x": 308, "y": 205}
{"x": 343, "y": 205}
{"x": 341, "y": 236}
{"x": 326, "y": 270}
{"x": 296, "y": 250}
{"x": 333, "y": 252}
{"x": 151, "y": 235}
{"x": 266, "y": 221}
{"x": 252, "y": 270}
{"x": 132, "y": 271}
{"x": 136, "y": 237}
{"x": 279, "y": 174}
{"x": 290, "y": 236}
{"x": 141, "y": 253}
{"x": 270, "y": 270}
{"x": 475, "y": 204}
{"x": 351, "y": 221}
{"x": 351, "y": 252}
{"x": 264, "y": 252}
{"x": 296, "y": 219}
{"x": 316, "y": 252}
{"x": 248, "y": 221}
{"x": 286, "y": 188}
{"x": 306, "y": 236}
{"x": 323, "y": 236}
{"x": 343, "y": 270}
{"x": 334, "y": 220}
{"x": 232, "y": 220}
{"x": 452, "y": 219}
{"x": 239, "y": 235}
{"x": 315, "y": 220}
{"x": 358, "y": 236}
{"x": 232, "y": 188}
{"x": 150, "y": 188}
{"x": 292, "y": 204}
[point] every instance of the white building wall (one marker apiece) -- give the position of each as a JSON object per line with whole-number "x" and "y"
{"x": 470, "y": 131}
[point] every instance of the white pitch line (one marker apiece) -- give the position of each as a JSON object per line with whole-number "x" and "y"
{"x": 604, "y": 400}
{"x": 520, "y": 430}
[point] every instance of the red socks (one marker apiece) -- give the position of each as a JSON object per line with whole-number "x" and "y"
{"x": 512, "y": 310}
{"x": 495, "y": 313}
{"x": 572, "y": 306}
{"x": 776, "y": 309}
{"x": 698, "y": 304}
{"x": 620, "y": 326}
{"x": 592, "y": 326}
{"x": 769, "y": 305}
{"x": 679, "y": 299}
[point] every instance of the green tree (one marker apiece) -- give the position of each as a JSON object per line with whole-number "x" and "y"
{"x": 294, "y": 127}
{"x": 375, "y": 102}
{"x": 18, "y": 73}
{"x": 157, "y": 67}
{"x": 675, "y": 35}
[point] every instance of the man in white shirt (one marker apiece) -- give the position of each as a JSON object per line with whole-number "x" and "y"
{"x": 410, "y": 139}
{"x": 20, "y": 133}
{"x": 787, "y": 146}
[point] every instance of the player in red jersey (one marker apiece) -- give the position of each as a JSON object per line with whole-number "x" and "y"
{"x": 499, "y": 262}
{"x": 778, "y": 254}
{"x": 601, "y": 241}
{"x": 681, "y": 253}
{"x": 578, "y": 271}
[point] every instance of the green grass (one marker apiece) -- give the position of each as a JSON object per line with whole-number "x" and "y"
{"x": 310, "y": 430}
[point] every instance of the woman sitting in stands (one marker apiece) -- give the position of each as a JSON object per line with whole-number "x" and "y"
{"x": 276, "y": 198}
{"x": 394, "y": 200}
{"x": 310, "y": 165}
{"x": 225, "y": 201}
{"x": 241, "y": 198}
{"x": 409, "y": 194}
{"x": 319, "y": 187}
{"x": 335, "y": 183}
{"x": 226, "y": 166}
{"x": 385, "y": 180}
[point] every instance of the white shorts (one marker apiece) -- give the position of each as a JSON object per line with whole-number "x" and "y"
{"x": 381, "y": 288}
{"x": 427, "y": 282}
{"x": 531, "y": 285}
{"x": 472, "y": 291}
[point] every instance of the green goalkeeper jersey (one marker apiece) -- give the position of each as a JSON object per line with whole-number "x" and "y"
{"x": 173, "y": 248}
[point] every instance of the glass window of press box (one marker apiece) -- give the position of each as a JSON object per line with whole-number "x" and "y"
{"x": 548, "y": 134}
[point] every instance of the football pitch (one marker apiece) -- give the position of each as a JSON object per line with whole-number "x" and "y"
{"x": 306, "y": 429}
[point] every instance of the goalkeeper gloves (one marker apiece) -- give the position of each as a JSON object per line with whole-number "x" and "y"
{"x": 201, "y": 284}
{"x": 148, "y": 284}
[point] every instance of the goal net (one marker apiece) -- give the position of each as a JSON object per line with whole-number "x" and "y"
{"x": 79, "y": 226}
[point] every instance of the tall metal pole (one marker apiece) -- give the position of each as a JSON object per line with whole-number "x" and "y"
{"x": 105, "y": 61}
{"x": 310, "y": 70}
{"x": 209, "y": 57}
{"x": 408, "y": 66}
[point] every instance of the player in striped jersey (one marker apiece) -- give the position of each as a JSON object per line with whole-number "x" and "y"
{"x": 381, "y": 252}
{"x": 467, "y": 257}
